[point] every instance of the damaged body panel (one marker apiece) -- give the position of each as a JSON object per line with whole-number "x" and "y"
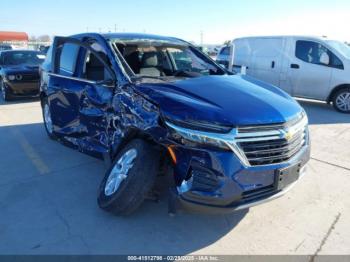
{"x": 233, "y": 141}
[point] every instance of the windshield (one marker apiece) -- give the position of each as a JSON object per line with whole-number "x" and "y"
{"x": 162, "y": 59}
{"x": 342, "y": 48}
{"x": 23, "y": 57}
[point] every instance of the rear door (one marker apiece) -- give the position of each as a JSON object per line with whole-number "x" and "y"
{"x": 81, "y": 89}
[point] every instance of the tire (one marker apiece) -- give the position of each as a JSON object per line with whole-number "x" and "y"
{"x": 5, "y": 92}
{"x": 47, "y": 119}
{"x": 341, "y": 100}
{"x": 127, "y": 195}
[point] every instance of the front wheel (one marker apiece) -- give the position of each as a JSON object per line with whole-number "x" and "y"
{"x": 130, "y": 178}
{"x": 341, "y": 100}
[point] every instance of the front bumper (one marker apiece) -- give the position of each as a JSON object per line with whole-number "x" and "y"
{"x": 191, "y": 206}
{"x": 20, "y": 89}
{"x": 221, "y": 184}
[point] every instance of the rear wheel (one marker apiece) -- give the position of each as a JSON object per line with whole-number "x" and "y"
{"x": 47, "y": 119}
{"x": 341, "y": 100}
{"x": 129, "y": 179}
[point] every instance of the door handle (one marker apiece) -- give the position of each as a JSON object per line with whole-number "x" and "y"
{"x": 295, "y": 66}
{"x": 273, "y": 64}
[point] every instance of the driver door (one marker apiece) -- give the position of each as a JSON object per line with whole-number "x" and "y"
{"x": 83, "y": 86}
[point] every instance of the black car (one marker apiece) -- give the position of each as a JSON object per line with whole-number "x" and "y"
{"x": 19, "y": 73}
{"x": 5, "y": 47}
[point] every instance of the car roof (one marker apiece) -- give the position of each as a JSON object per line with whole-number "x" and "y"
{"x": 283, "y": 36}
{"x": 126, "y": 36}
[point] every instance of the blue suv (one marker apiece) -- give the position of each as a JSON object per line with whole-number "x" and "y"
{"x": 147, "y": 103}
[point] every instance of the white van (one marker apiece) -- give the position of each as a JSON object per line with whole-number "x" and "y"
{"x": 308, "y": 67}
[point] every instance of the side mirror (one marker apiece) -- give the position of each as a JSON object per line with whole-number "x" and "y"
{"x": 324, "y": 59}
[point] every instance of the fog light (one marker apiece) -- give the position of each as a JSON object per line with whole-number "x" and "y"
{"x": 19, "y": 77}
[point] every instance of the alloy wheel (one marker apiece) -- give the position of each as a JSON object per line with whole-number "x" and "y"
{"x": 343, "y": 101}
{"x": 120, "y": 171}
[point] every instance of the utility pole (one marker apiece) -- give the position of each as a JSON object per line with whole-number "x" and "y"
{"x": 201, "y": 37}
{"x": 115, "y": 28}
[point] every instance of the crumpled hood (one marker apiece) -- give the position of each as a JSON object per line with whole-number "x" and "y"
{"x": 21, "y": 69}
{"x": 229, "y": 100}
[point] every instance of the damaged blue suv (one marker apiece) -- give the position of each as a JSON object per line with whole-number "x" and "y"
{"x": 149, "y": 103}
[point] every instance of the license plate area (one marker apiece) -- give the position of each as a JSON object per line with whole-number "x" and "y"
{"x": 286, "y": 176}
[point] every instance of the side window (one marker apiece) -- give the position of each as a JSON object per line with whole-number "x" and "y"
{"x": 68, "y": 59}
{"x": 310, "y": 52}
{"x": 336, "y": 62}
{"x": 225, "y": 51}
{"x": 316, "y": 53}
{"x": 93, "y": 68}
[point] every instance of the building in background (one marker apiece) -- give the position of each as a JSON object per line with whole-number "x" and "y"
{"x": 15, "y": 39}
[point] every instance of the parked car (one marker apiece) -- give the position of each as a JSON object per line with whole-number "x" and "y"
{"x": 5, "y": 47}
{"x": 307, "y": 67}
{"x": 230, "y": 141}
{"x": 19, "y": 73}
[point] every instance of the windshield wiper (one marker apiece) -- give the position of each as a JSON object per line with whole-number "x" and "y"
{"x": 151, "y": 77}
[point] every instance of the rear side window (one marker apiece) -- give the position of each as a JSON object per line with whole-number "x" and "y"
{"x": 68, "y": 59}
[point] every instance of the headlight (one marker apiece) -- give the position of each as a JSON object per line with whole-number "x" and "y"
{"x": 11, "y": 77}
{"x": 205, "y": 138}
{"x": 224, "y": 141}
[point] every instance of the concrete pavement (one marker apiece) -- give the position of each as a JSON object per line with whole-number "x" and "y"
{"x": 48, "y": 201}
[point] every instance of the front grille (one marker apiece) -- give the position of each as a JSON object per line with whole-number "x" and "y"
{"x": 31, "y": 77}
{"x": 265, "y": 145}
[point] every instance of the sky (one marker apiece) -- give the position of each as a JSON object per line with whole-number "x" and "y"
{"x": 192, "y": 20}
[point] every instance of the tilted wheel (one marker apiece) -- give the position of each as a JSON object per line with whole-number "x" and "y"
{"x": 129, "y": 179}
{"x": 47, "y": 119}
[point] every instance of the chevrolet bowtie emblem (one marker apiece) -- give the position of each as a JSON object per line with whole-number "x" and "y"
{"x": 288, "y": 135}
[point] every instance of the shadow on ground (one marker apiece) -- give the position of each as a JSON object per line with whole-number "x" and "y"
{"x": 321, "y": 113}
{"x": 19, "y": 100}
{"x": 48, "y": 206}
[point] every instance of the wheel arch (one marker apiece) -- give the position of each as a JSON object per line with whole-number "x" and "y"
{"x": 130, "y": 135}
{"x": 335, "y": 90}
